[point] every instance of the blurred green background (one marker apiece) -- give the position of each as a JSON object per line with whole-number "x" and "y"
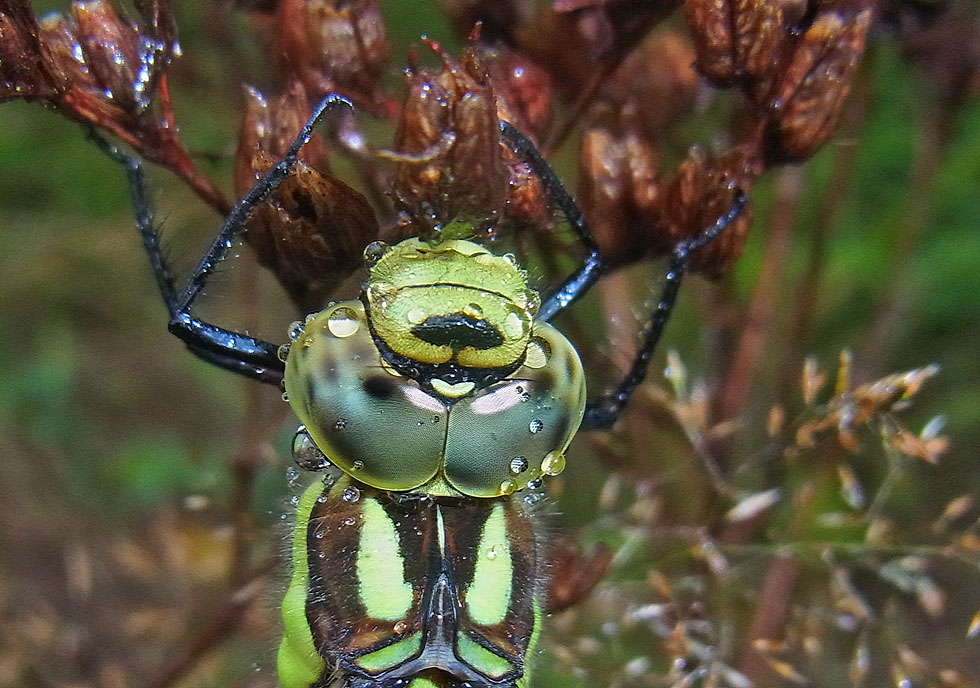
{"x": 123, "y": 456}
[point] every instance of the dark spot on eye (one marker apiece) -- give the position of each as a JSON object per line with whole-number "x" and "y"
{"x": 379, "y": 387}
{"x": 458, "y": 331}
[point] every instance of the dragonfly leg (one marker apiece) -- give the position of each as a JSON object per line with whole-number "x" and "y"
{"x": 227, "y": 349}
{"x": 604, "y": 412}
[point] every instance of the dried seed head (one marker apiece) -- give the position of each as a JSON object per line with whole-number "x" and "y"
{"x": 524, "y": 90}
{"x": 23, "y": 70}
{"x": 312, "y": 229}
{"x": 739, "y": 40}
{"x": 816, "y": 81}
{"x": 110, "y": 48}
{"x": 269, "y": 127}
{"x": 333, "y": 45}
{"x": 311, "y": 233}
{"x": 449, "y": 164}
{"x": 64, "y": 51}
{"x": 619, "y": 189}
{"x": 702, "y": 191}
{"x": 526, "y": 204}
{"x": 659, "y": 77}
{"x": 124, "y": 59}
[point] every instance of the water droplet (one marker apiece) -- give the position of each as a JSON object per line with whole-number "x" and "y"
{"x": 518, "y": 465}
{"x": 306, "y": 454}
{"x": 400, "y": 627}
{"x": 350, "y": 494}
{"x": 343, "y": 322}
{"x": 285, "y": 397}
{"x": 318, "y": 534}
{"x": 340, "y": 424}
{"x": 416, "y": 316}
{"x": 538, "y": 353}
{"x": 294, "y": 500}
{"x": 493, "y": 552}
{"x": 515, "y": 325}
{"x": 533, "y": 302}
{"x": 474, "y": 310}
{"x": 374, "y": 251}
{"x": 553, "y": 463}
{"x": 322, "y": 499}
{"x": 535, "y": 426}
{"x": 291, "y": 475}
{"x": 349, "y": 521}
{"x": 357, "y": 465}
{"x": 282, "y": 353}
{"x": 295, "y": 330}
{"x": 507, "y": 487}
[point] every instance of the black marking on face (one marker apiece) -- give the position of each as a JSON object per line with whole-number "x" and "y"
{"x": 458, "y": 331}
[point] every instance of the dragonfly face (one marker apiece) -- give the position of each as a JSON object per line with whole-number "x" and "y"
{"x": 438, "y": 396}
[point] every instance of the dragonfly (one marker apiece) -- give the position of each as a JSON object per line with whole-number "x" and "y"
{"x": 433, "y": 406}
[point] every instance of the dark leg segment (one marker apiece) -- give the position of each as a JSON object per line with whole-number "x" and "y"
{"x": 603, "y": 413}
{"x": 587, "y": 275}
{"x": 233, "y": 351}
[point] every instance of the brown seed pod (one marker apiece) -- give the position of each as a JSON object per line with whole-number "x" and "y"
{"x": 23, "y": 70}
{"x": 64, "y": 52}
{"x": 816, "y": 82}
{"x": 659, "y": 78}
{"x": 448, "y": 163}
{"x": 619, "y": 189}
{"x": 738, "y": 40}
{"x": 124, "y": 59}
{"x": 524, "y": 90}
{"x": 269, "y": 127}
{"x": 334, "y": 45}
{"x": 311, "y": 233}
{"x": 702, "y": 191}
{"x": 312, "y": 229}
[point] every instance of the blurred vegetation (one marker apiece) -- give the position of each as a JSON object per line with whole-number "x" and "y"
{"x": 126, "y": 549}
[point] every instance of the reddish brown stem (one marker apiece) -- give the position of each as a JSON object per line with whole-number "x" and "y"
{"x": 770, "y": 618}
{"x": 744, "y": 365}
{"x": 223, "y": 623}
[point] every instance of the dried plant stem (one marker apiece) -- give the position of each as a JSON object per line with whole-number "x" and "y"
{"x": 770, "y": 617}
{"x": 160, "y": 145}
{"x": 807, "y": 293}
{"x": 223, "y": 623}
{"x": 249, "y": 457}
{"x": 757, "y": 322}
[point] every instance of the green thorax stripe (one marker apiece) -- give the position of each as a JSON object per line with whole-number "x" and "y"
{"x": 383, "y": 572}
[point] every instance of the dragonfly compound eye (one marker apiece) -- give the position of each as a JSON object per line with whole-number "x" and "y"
{"x": 395, "y": 432}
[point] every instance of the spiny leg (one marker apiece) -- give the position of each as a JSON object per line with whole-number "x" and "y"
{"x": 587, "y": 275}
{"x": 233, "y": 351}
{"x": 603, "y": 414}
